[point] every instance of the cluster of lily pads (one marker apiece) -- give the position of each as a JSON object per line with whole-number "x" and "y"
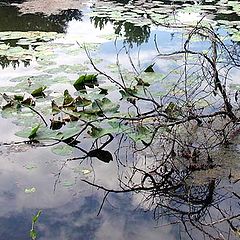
{"x": 88, "y": 110}
{"x": 172, "y": 13}
{"x": 24, "y": 45}
{"x": 46, "y": 114}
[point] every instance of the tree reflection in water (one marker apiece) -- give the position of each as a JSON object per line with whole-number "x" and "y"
{"x": 4, "y": 62}
{"x": 202, "y": 208}
{"x": 178, "y": 172}
{"x": 12, "y": 20}
{"x": 131, "y": 33}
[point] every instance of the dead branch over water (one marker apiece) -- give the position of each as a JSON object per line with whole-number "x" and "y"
{"x": 185, "y": 137}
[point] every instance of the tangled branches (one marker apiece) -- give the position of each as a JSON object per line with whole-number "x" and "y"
{"x": 185, "y": 128}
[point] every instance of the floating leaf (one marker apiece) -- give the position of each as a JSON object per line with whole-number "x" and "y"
{"x": 30, "y": 167}
{"x": 63, "y": 150}
{"x": 86, "y": 171}
{"x": 89, "y": 80}
{"x": 56, "y": 124}
{"x": 8, "y": 105}
{"x": 96, "y": 132}
{"x": 33, "y": 234}
{"x": 173, "y": 110}
{"x": 68, "y": 99}
{"x": 38, "y": 92}
{"x": 68, "y": 184}
{"x": 55, "y": 108}
{"x": 105, "y": 105}
{"x": 82, "y": 102}
{"x": 150, "y": 68}
{"x": 30, "y": 190}
{"x": 28, "y": 101}
{"x": 18, "y": 97}
{"x": 141, "y": 133}
{"x": 103, "y": 91}
{"x": 7, "y": 98}
{"x": 140, "y": 82}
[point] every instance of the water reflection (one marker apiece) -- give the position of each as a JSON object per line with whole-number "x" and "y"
{"x": 69, "y": 212}
{"x": 5, "y": 62}
{"x": 12, "y": 20}
{"x": 131, "y": 33}
{"x": 182, "y": 207}
{"x": 193, "y": 211}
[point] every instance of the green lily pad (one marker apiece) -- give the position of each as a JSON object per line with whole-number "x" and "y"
{"x": 38, "y": 92}
{"x": 68, "y": 183}
{"x": 63, "y": 150}
{"x": 102, "y": 106}
{"x": 89, "y": 80}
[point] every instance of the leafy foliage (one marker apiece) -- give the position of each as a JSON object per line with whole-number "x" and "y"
{"x": 34, "y": 131}
{"x": 89, "y": 80}
{"x": 33, "y": 232}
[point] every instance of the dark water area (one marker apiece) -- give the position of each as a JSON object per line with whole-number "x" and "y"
{"x": 12, "y": 20}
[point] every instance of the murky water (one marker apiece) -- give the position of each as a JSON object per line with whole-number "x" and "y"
{"x": 34, "y": 178}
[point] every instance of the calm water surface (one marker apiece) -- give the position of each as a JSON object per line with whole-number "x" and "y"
{"x": 34, "y": 178}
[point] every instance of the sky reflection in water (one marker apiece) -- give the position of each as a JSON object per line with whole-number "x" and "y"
{"x": 70, "y": 209}
{"x": 68, "y": 212}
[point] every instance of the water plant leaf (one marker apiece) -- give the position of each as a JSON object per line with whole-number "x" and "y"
{"x": 89, "y": 80}
{"x": 62, "y": 150}
{"x": 38, "y": 92}
{"x": 173, "y": 110}
{"x": 44, "y": 133}
{"x": 7, "y": 98}
{"x": 82, "y": 101}
{"x": 103, "y": 91}
{"x": 141, "y": 82}
{"x": 18, "y": 97}
{"x": 105, "y": 105}
{"x": 68, "y": 99}
{"x": 28, "y": 101}
{"x": 56, "y": 124}
{"x": 8, "y": 105}
{"x": 96, "y": 132}
{"x": 141, "y": 133}
{"x": 36, "y": 217}
{"x": 128, "y": 92}
{"x": 33, "y": 234}
{"x": 55, "y": 108}
{"x": 68, "y": 183}
{"x": 33, "y": 133}
{"x": 86, "y": 171}
{"x": 149, "y": 68}
{"x": 30, "y": 167}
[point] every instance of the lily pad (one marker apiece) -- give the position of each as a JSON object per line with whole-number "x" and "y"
{"x": 38, "y": 92}
{"x": 68, "y": 183}
{"x": 89, "y": 80}
{"x": 63, "y": 150}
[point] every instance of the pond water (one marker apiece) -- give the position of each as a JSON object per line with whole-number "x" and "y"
{"x": 52, "y": 43}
